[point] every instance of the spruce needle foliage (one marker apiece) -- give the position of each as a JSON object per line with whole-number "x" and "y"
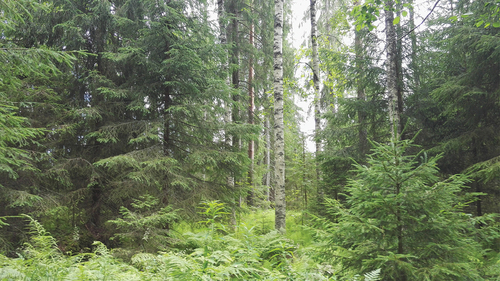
{"x": 401, "y": 217}
{"x": 146, "y": 226}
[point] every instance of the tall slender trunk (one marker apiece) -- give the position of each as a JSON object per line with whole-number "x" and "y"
{"x": 399, "y": 69}
{"x": 402, "y": 274}
{"x": 235, "y": 76}
{"x": 360, "y": 93}
{"x": 316, "y": 81}
{"x": 413, "y": 38}
{"x": 222, "y": 22}
{"x": 392, "y": 87}
{"x": 279, "y": 168}
{"x": 476, "y": 185}
{"x": 304, "y": 186}
{"x": 267, "y": 179}
{"x": 227, "y": 116}
{"x": 251, "y": 101}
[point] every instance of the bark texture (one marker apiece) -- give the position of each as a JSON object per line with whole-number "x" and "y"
{"x": 251, "y": 105}
{"x": 316, "y": 81}
{"x": 267, "y": 177}
{"x": 413, "y": 38}
{"x": 221, "y": 15}
{"x": 361, "y": 95}
{"x": 279, "y": 168}
{"x": 392, "y": 75}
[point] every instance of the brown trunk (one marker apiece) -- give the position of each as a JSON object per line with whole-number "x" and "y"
{"x": 235, "y": 75}
{"x": 399, "y": 71}
{"x": 166, "y": 126}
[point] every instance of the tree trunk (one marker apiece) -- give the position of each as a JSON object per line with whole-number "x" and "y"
{"x": 227, "y": 116}
{"x": 360, "y": 92}
{"x": 279, "y": 168}
{"x": 317, "y": 120}
{"x": 251, "y": 101}
{"x": 235, "y": 77}
{"x": 392, "y": 87}
{"x": 413, "y": 38}
{"x": 267, "y": 179}
{"x": 399, "y": 70}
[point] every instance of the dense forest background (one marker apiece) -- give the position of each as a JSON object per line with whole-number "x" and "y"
{"x": 160, "y": 140}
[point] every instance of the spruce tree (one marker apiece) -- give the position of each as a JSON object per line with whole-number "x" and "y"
{"x": 401, "y": 217}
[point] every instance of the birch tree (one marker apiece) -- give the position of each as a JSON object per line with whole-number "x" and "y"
{"x": 391, "y": 64}
{"x": 360, "y": 92}
{"x": 316, "y": 80}
{"x": 279, "y": 168}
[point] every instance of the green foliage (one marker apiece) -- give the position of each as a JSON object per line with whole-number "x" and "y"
{"x": 213, "y": 212}
{"x": 243, "y": 255}
{"x": 457, "y": 105}
{"x": 399, "y": 216}
{"x": 147, "y": 227}
{"x": 367, "y": 13}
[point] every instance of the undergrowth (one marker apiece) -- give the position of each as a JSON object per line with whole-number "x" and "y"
{"x": 249, "y": 251}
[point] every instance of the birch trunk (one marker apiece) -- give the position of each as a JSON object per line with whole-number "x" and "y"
{"x": 394, "y": 114}
{"x": 279, "y": 172}
{"x": 361, "y": 95}
{"x": 413, "y": 38}
{"x": 316, "y": 81}
{"x": 391, "y": 64}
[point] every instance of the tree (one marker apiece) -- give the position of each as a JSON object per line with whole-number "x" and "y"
{"x": 141, "y": 114}
{"x": 392, "y": 75}
{"x": 316, "y": 81}
{"x": 279, "y": 169}
{"x": 455, "y": 105}
{"x": 399, "y": 216}
{"x": 360, "y": 91}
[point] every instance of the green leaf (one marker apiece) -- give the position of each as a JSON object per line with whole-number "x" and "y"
{"x": 396, "y": 20}
{"x": 405, "y": 13}
{"x": 496, "y": 24}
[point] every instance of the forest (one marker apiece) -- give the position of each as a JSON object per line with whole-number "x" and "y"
{"x": 162, "y": 140}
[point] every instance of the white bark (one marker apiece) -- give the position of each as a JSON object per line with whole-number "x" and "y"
{"x": 360, "y": 91}
{"x": 413, "y": 38}
{"x": 279, "y": 168}
{"x": 316, "y": 81}
{"x": 392, "y": 87}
